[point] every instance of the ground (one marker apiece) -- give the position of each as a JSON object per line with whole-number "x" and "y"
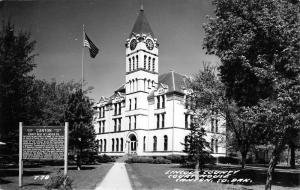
{"x": 151, "y": 176}
{"x": 87, "y": 178}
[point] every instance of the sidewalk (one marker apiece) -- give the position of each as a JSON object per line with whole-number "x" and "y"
{"x": 116, "y": 178}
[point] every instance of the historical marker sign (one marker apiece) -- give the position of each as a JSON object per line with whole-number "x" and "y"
{"x": 43, "y": 142}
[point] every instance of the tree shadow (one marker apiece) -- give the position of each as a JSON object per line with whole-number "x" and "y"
{"x": 15, "y": 172}
{"x": 82, "y": 168}
{"x": 3, "y": 181}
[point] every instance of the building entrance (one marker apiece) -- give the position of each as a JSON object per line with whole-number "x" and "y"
{"x": 132, "y": 144}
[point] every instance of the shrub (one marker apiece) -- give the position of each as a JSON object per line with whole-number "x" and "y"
{"x": 59, "y": 181}
{"x": 179, "y": 159}
{"x": 104, "y": 158}
{"x": 161, "y": 161}
{"x": 137, "y": 159}
{"x": 228, "y": 160}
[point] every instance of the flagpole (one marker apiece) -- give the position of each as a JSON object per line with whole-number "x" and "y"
{"x": 82, "y": 57}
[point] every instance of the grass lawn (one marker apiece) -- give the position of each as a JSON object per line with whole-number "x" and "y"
{"x": 152, "y": 176}
{"x": 87, "y": 178}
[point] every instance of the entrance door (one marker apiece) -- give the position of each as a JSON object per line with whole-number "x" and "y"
{"x": 132, "y": 144}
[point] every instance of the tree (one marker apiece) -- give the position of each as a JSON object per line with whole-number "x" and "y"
{"x": 16, "y": 64}
{"x": 50, "y": 100}
{"x": 209, "y": 98}
{"x": 197, "y": 147}
{"x": 79, "y": 114}
{"x": 258, "y": 44}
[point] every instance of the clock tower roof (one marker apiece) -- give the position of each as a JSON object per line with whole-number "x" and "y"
{"x": 141, "y": 25}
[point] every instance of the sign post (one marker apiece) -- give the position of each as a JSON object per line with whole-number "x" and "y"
{"x": 43, "y": 143}
{"x": 20, "y": 154}
{"x": 66, "y": 148}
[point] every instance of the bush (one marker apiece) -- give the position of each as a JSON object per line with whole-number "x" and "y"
{"x": 59, "y": 181}
{"x": 137, "y": 159}
{"x": 104, "y": 158}
{"x": 161, "y": 161}
{"x": 178, "y": 159}
{"x": 228, "y": 160}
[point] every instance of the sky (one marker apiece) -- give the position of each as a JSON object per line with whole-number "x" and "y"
{"x": 56, "y": 25}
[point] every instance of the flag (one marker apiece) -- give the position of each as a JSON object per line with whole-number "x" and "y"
{"x": 88, "y": 43}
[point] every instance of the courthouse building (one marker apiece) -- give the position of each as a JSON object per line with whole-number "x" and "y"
{"x": 147, "y": 115}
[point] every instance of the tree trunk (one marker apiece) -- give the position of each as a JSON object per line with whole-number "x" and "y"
{"x": 273, "y": 162}
{"x": 292, "y": 160}
{"x": 244, "y": 155}
{"x": 197, "y": 170}
{"x": 270, "y": 172}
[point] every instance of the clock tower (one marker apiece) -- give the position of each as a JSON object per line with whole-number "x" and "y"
{"x": 141, "y": 70}
{"x": 141, "y": 57}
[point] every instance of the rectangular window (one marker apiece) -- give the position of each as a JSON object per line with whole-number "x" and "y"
{"x": 103, "y": 109}
{"x": 163, "y": 101}
{"x": 216, "y": 126}
{"x": 120, "y": 104}
{"x": 129, "y": 104}
{"x": 216, "y": 146}
{"x": 186, "y": 117}
{"x": 135, "y": 100}
{"x": 103, "y": 127}
{"x": 191, "y": 121}
{"x": 100, "y": 126}
{"x": 158, "y": 102}
{"x": 129, "y": 122}
{"x": 119, "y": 124}
{"x": 157, "y": 121}
{"x": 162, "y": 120}
{"x": 212, "y": 125}
{"x": 135, "y": 122}
{"x": 115, "y": 125}
{"x": 212, "y": 145}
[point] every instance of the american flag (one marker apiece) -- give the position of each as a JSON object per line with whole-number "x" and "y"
{"x": 88, "y": 43}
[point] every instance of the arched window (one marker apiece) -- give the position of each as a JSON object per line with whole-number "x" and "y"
{"x": 104, "y": 145}
{"x": 137, "y": 84}
{"x": 113, "y": 145}
{"x": 165, "y": 143}
{"x": 137, "y": 61}
{"x": 144, "y": 144}
{"x": 129, "y": 64}
{"x": 133, "y": 86}
{"x": 117, "y": 145}
{"x": 154, "y": 143}
{"x": 100, "y": 146}
{"x": 145, "y": 61}
{"x": 130, "y": 86}
{"x": 133, "y": 64}
{"x": 149, "y": 63}
{"x": 153, "y": 65}
{"x": 121, "y": 147}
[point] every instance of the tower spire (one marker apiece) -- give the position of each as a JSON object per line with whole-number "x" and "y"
{"x": 142, "y": 6}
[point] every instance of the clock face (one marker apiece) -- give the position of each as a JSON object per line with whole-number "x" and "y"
{"x": 133, "y": 44}
{"x": 149, "y": 44}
